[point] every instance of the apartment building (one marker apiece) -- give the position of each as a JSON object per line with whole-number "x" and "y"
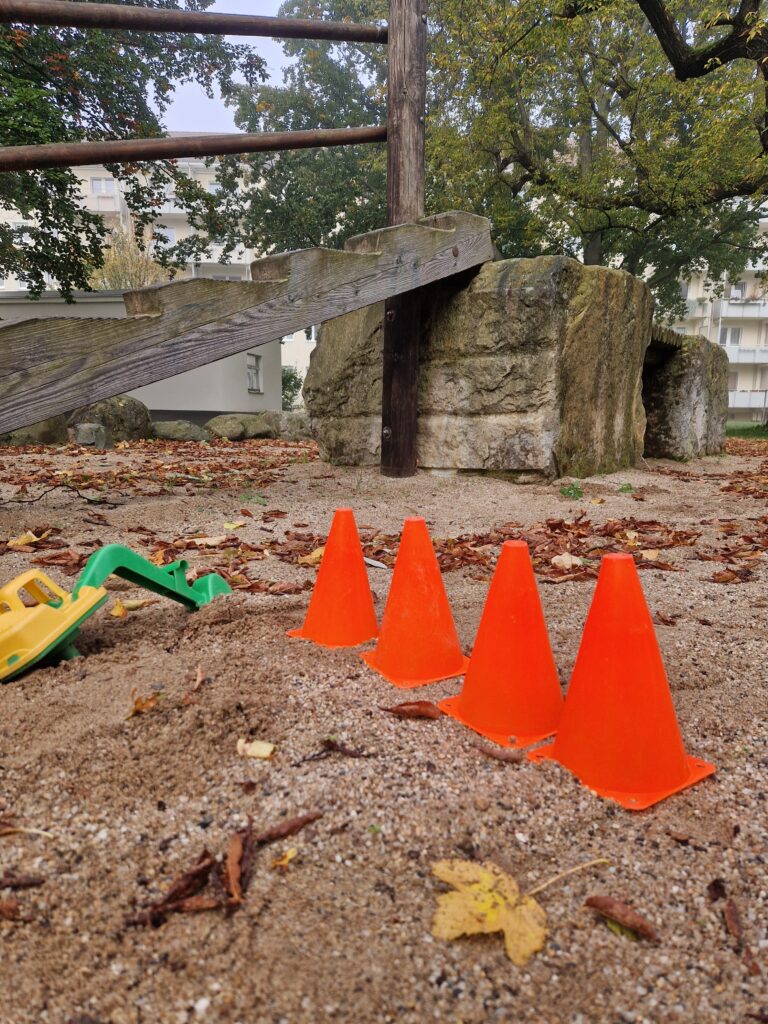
{"x": 739, "y": 322}
{"x": 247, "y": 382}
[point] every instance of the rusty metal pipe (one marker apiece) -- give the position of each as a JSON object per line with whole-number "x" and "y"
{"x": 152, "y": 19}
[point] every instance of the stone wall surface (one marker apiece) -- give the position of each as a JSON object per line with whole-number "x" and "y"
{"x": 685, "y": 393}
{"x": 533, "y": 369}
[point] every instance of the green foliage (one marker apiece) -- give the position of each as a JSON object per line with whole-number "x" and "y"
{"x": 292, "y": 384}
{"x": 749, "y": 431}
{"x": 572, "y": 490}
{"x": 66, "y": 84}
{"x": 320, "y": 196}
{"x": 561, "y": 122}
{"x": 626, "y": 489}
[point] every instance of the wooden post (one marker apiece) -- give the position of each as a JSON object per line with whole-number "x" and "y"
{"x": 407, "y": 86}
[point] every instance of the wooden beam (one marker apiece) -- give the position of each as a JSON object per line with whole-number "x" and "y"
{"x": 152, "y": 19}
{"x": 51, "y": 366}
{"x": 405, "y": 202}
{"x": 79, "y": 154}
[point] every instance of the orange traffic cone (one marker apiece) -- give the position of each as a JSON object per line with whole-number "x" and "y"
{"x": 511, "y": 691}
{"x": 618, "y": 732}
{"x": 418, "y": 642}
{"x": 340, "y": 612}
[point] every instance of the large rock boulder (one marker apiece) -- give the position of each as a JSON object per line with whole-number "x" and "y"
{"x": 290, "y": 425}
{"x": 685, "y": 393}
{"x": 179, "y": 430}
{"x": 240, "y": 426}
{"x": 534, "y": 369}
{"x": 126, "y": 418}
{"x": 50, "y": 431}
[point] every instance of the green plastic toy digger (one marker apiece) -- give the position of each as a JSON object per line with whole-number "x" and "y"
{"x": 46, "y": 624}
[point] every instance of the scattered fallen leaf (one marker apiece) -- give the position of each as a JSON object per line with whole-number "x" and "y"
{"x": 332, "y": 746}
{"x": 10, "y": 910}
{"x": 27, "y": 540}
{"x": 623, "y": 915}
{"x": 415, "y": 709}
{"x": 650, "y": 555}
{"x": 118, "y": 609}
{"x": 665, "y": 620}
{"x": 281, "y": 863}
{"x": 716, "y": 890}
{"x": 732, "y": 576}
{"x": 500, "y": 753}
{"x": 255, "y": 748}
{"x": 208, "y": 542}
{"x": 488, "y": 900}
{"x": 732, "y": 917}
{"x": 234, "y": 526}
{"x": 10, "y": 880}
{"x": 374, "y": 564}
{"x": 141, "y": 705}
{"x": 566, "y": 560}
{"x": 286, "y": 828}
{"x": 313, "y": 558}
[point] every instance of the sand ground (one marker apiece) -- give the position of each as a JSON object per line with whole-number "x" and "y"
{"x": 344, "y": 933}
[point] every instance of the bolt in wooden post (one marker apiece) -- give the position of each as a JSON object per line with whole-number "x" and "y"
{"x": 407, "y": 86}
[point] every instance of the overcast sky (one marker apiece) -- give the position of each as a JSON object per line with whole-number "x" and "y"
{"x": 191, "y": 109}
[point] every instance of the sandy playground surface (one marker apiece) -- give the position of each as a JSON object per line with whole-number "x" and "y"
{"x": 341, "y": 932}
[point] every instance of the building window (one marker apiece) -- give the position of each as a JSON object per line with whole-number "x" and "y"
{"x": 733, "y": 381}
{"x": 168, "y": 233}
{"x": 738, "y": 291}
{"x": 102, "y": 186}
{"x": 730, "y": 335}
{"x": 26, "y": 238}
{"x": 213, "y": 188}
{"x": 763, "y": 379}
{"x": 253, "y": 368}
{"x": 684, "y": 289}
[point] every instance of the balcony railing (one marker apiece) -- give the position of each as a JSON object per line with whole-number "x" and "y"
{"x": 748, "y": 399}
{"x": 740, "y": 354}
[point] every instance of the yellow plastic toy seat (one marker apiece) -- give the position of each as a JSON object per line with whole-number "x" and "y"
{"x": 47, "y": 620}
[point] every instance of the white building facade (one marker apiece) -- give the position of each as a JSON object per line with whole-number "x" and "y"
{"x": 739, "y": 322}
{"x": 248, "y": 382}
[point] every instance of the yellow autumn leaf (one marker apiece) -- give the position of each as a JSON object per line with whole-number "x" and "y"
{"x": 255, "y": 748}
{"x": 234, "y": 526}
{"x": 313, "y": 558}
{"x": 488, "y": 900}
{"x": 118, "y": 609}
{"x": 28, "y": 538}
{"x": 281, "y": 863}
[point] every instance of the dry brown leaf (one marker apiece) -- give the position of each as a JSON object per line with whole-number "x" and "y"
{"x": 623, "y": 915}
{"x": 10, "y": 910}
{"x": 415, "y": 709}
{"x": 141, "y": 705}
{"x": 500, "y": 753}
{"x": 650, "y": 555}
{"x": 118, "y": 609}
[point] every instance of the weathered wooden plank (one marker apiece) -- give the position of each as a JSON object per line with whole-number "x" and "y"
{"x": 406, "y": 99}
{"x": 54, "y": 365}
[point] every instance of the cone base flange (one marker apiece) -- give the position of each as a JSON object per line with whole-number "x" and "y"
{"x": 451, "y": 707}
{"x": 333, "y": 647}
{"x": 369, "y": 657}
{"x": 697, "y": 770}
